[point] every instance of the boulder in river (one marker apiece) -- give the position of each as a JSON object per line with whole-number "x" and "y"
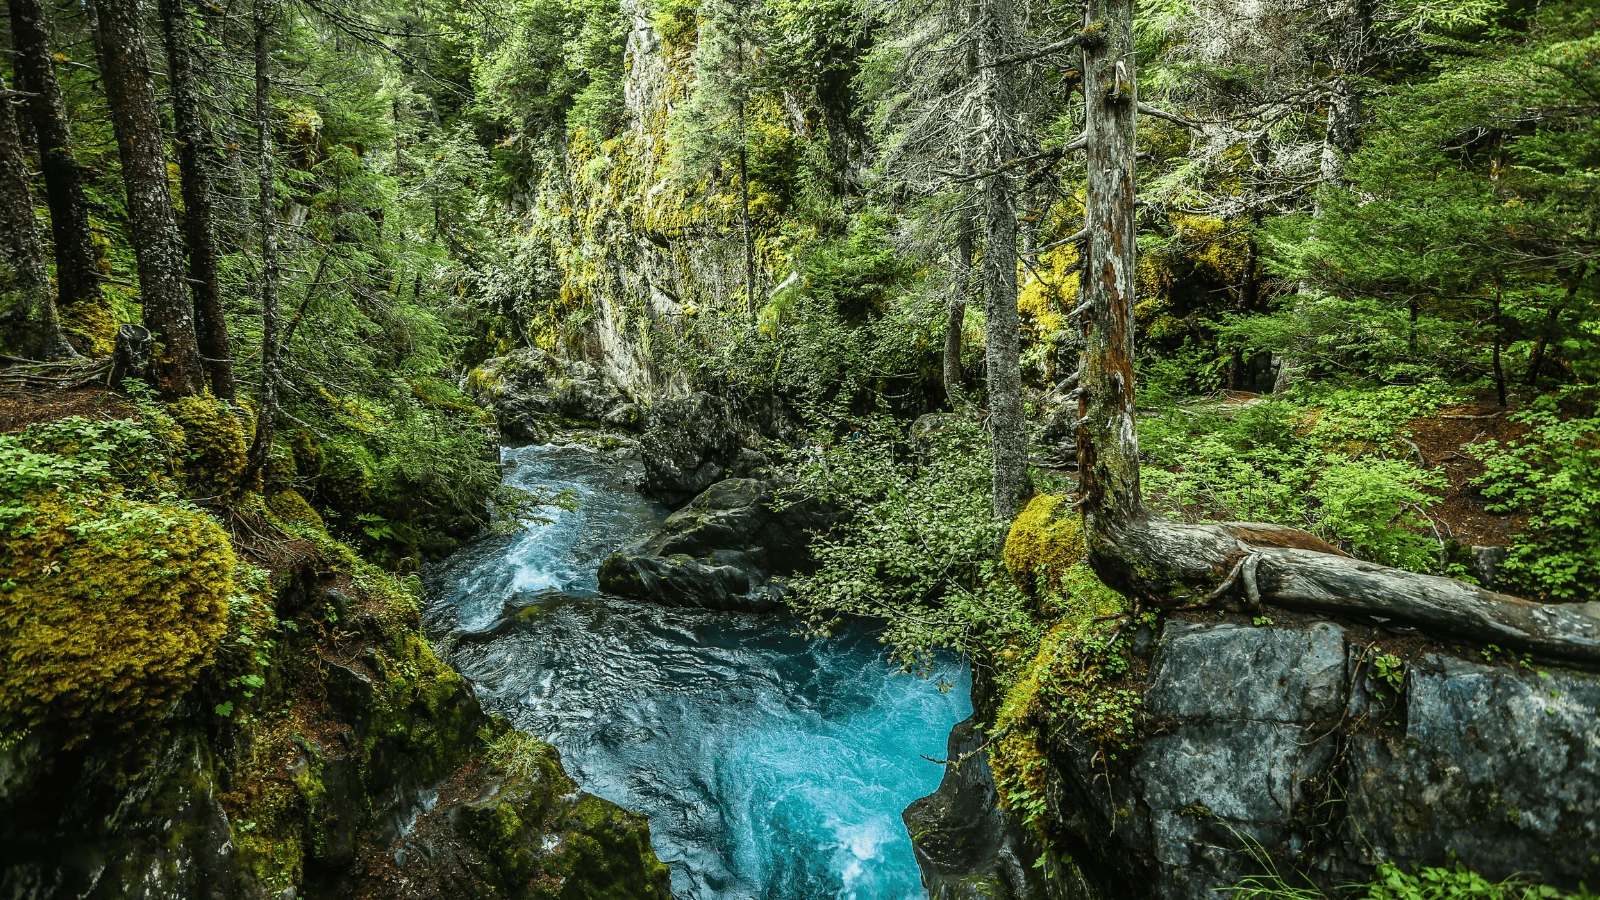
{"x": 690, "y": 444}
{"x": 531, "y": 392}
{"x": 729, "y": 548}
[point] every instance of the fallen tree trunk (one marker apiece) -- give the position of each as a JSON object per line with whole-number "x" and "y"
{"x": 1250, "y": 565}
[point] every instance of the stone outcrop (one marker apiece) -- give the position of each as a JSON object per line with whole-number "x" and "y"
{"x": 727, "y": 549}
{"x": 367, "y": 770}
{"x": 969, "y": 848}
{"x": 532, "y": 392}
{"x": 690, "y": 444}
{"x": 1290, "y": 739}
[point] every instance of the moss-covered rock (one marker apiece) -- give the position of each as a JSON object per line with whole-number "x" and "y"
{"x": 215, "y": 447}
{"x": 111, "y": 608}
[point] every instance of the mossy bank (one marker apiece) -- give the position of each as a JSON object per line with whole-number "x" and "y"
{"x": 1210, "y": 751}
{"x": 208, "y": 695}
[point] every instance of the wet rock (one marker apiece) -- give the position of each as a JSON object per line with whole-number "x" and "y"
{"x": 690, "y": 444}
{"x": 1252, "y": 729}
{"x": 967, "y": 845}
{"x": 531, "y": 392}
{"x": 517, "y": 827}
{"x": 727, "y": 549}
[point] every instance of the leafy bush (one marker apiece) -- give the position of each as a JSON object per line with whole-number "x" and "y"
{"x": 1554, "y": 475}
{"x": 1330, "y": 461}
{"x": 918, "y": 548}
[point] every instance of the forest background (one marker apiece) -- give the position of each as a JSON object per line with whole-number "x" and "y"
{"x": 1367, "y": 297}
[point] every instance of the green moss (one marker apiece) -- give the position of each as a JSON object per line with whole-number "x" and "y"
{"x": 1076, "y": 684}
{"x": 216, "y": 449}
{"x": 1045, "y": 540}
{"x": 112, "y": 607}
{"x": 290, "y": 506}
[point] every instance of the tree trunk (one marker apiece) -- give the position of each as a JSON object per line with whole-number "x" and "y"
{"x": 199, "y": 212}
{"x": 1499, "y": 338}
{"x": 1002, "y": 336}
{"x": 77, "y": 276}
{"x": 28, "y": 325}
{"x": 1249, "y": 296}
{"x": 955, "y": 323}
{"x": 749, "y": 236}
{"x": 267, "y": 211}
{"x": 1246, "y": 565}
{"x": 1108, "y": 448}
{"x": 1551, "y": 317}
{"x": 130, "y": 92}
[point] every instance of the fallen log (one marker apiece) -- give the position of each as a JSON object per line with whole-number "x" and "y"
{"x": 1250, "y": 565}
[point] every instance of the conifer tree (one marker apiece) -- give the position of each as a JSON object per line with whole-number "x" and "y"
{"x": 29, "y": 328}
{"x": 141, "y": 144}
{"x": 77, "y": 277}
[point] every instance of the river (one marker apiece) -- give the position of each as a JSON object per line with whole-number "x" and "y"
{"x": 770, "y": 766}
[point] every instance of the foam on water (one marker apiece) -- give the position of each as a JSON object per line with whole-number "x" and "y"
{"x": 769, "y": 766}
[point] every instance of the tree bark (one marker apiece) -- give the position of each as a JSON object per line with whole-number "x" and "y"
{"x": 1249, "y": 296}
{"x": 28, "y": 324}
{"x": 130, "y": 91}
{"x": 1002, "y": 337}
{"x": 266, "y": 179}
{"x": 955, "y": 322}
{"x": 749, "y": 236}
{"x": 77, "y": 275}
{"x": 1108, "y": 448}
{"x": 199, "y": 209}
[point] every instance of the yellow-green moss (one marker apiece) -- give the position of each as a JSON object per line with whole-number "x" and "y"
{"x": 347, "y": 481}
{"x": 290, "y": 506}
{"x": 215, "y": 448}
{"x": 111, "y": 608}
{"x": 1045, "y": 540}
{"x": 308, "y": 458}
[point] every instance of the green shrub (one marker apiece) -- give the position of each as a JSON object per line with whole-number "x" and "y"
{"x": 1553, "y": 474}
{"x": 1330, "y": 461}
{"x": 918, "y": 548}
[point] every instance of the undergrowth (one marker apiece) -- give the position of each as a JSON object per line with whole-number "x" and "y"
{"x": 1332, "y": 461}
{"x": 1390, "y": 882}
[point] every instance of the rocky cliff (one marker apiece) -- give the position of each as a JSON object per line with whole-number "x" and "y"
{"x": 1267, "y": 746}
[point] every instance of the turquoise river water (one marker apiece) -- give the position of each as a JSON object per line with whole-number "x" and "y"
{"x": 770, "y": 766}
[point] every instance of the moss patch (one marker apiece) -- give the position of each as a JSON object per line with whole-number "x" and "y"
{"x": 215, "y": 448}
{"x": 111, "y": 609}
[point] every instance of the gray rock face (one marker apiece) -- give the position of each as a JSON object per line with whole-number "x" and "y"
{"x": 969, "y": 848}
{"x": 690, "y": 444}
{"x": 727, "y": 549}
{"x": 531, "y": 390}
{"x": 1282, "y": 736}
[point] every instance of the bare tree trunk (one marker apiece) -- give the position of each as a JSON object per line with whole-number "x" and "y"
{"x": 271, "y": 347}
{"x": 749, "y": 236}
{"x": 130, "y": 91}
{"x": 1108, "y": 448}
{"x": 1241, "y": 564}
{"x": 1551, "y": 317}
{"x": 1002, "y": 336}
{"x": 77, "y": 277}
{"x": 28, "y": 324}
{"x": 1498, "y": 324}
{"x": 955, "y": 323}
{"x": 199, "y": 212}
